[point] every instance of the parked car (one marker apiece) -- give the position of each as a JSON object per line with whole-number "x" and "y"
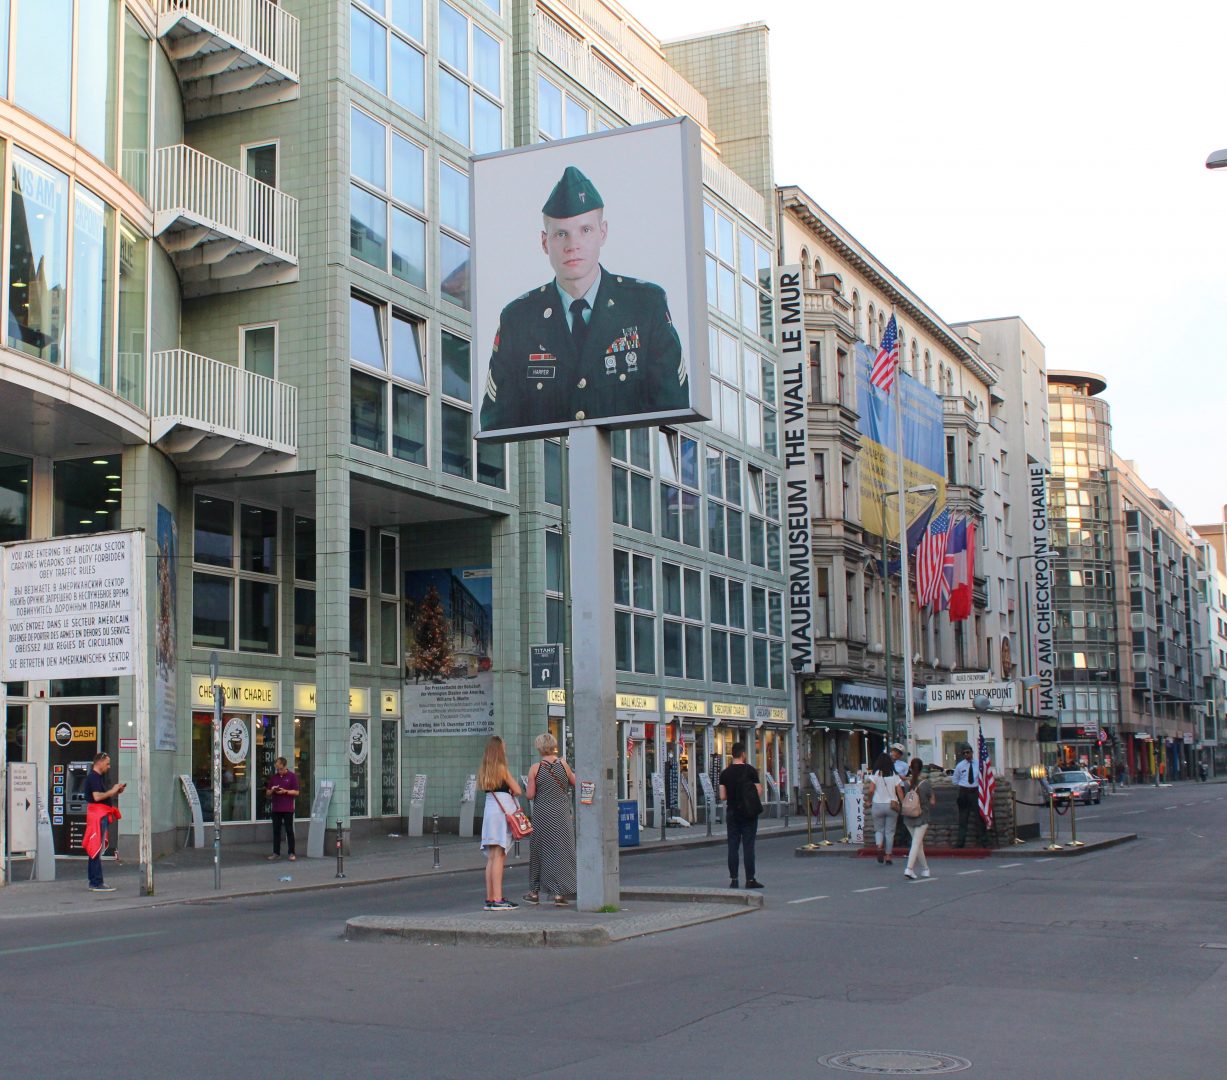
{"x": 1076, "y": 784}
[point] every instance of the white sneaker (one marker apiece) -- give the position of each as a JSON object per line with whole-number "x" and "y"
{"x": 910, "y": 875}
{"x": 924, "y": 873}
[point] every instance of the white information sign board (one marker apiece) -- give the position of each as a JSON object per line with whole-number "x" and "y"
{"x": 1000, "y": 695}
{"x": 66, "y": 608}
{"x": 23, "y": 806}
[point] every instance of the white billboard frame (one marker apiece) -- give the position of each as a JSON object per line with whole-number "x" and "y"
{"x": 654, "y": 217}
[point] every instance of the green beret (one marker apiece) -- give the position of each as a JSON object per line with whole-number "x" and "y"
{"x": 572, "y": 195}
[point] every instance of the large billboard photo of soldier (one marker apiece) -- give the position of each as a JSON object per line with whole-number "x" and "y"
{"x": 605, "y": 231}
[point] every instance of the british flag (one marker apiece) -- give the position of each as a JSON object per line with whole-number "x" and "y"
{"x": 885, "y": 364}
{"x": 931, "y": 557}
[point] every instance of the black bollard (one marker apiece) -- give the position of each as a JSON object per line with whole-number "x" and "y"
{"x": 434, "y": 818}
{"x": 340, "y": 849}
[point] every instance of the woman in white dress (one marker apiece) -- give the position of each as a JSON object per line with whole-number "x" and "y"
{"x": 502, "y": 791}
{"x": 886, "y": 790}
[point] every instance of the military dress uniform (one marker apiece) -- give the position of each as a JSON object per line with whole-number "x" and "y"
{"x": 630, "y": 362}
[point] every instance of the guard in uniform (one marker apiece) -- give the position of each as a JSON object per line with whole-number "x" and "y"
{"x": 589, "y": 343}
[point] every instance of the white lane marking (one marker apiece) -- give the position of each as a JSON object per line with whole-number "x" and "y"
{"x": 1127, "y": 813}
{"x": 964, "y": 873}
{"x": 1171, "y": 808}
{"x": 1008, "y": 865}
{"x": 876, "y": 888}
{"x": 807, "y": 899}
{"x": 1049, "y": 859}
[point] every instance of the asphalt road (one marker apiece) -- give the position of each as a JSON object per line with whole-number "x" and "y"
{"x": 1091, "y": 966}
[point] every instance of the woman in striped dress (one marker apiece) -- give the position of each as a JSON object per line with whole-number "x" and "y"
{"x": 551, "y": 853}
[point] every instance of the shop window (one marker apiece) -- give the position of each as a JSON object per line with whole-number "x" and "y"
{"x": 389, "y": 758}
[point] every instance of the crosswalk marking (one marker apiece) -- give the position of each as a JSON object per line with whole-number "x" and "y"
{"x": 875, "y": 888}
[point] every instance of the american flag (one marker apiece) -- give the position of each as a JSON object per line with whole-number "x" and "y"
{"x": 986, "y": 784}
{"x": 931, "y": 557}
{"x": 882, "y": 374}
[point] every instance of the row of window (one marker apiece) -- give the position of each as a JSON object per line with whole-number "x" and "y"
{"x": 388, "y": 52}
{"x": 390, "y": 394}
{"x": 735, "y": 510}
{"x": 85, "y": 102}
{"x": 743, "y": 392}
{"x": 75, "y": 290}
{"x": 86, "y": 495}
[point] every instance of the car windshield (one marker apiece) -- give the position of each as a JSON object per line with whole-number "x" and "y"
{"x": 1070, "y": 778}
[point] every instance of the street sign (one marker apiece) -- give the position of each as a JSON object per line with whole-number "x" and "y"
{"x": 949, "y": 696}
{"x": 971, "y": 678}
{"x": 23, "y": 806}
{"x": 545, "y": 666}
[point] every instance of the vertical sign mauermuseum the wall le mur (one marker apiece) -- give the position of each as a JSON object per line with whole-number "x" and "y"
{"x": 790, "y": 317}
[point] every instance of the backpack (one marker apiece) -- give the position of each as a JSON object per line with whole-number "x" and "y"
{"x": 911, "y": 805}
{"x": 749, "y": 805}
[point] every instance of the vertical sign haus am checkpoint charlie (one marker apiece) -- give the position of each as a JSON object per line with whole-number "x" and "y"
{"x": 1041, "y": 644}
{"x": 793, "y": 387}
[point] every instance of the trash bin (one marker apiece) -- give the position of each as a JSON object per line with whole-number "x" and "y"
{"x": 628, "y": 823}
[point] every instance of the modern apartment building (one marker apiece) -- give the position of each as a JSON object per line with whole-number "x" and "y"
{"x": 1212, "y": 557}
{"x": 236, "y": 300}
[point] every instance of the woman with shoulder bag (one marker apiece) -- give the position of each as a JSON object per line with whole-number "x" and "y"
{"x": 551, "y": 853}
{"x": 885, "y": 789}
{"x": 502, "y": 792}
{"x": 917, "y": 803}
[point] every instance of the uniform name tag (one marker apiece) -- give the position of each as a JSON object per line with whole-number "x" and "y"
{"x": 541, "y": 365}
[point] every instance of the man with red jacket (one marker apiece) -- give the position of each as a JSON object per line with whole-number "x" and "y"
{"x": 98, "y": 814}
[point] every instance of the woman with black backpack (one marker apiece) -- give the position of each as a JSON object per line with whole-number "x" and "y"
{"x": 742, "y": 794}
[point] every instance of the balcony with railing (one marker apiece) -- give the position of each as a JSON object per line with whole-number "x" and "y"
{"x": 230, "y": 54}
{"x": 211, "y": 417}
{"x": 224, "y": 229}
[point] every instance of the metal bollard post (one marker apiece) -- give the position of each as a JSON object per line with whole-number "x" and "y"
{"x": 709, "y": 814}
{"x": 1014, "y": 807}
{"x": 822, "y": 821}
{"x": 340, "y": 849}
{"x": 664, "y": 817}
{"x": 1052, "y": 824}
{"x": 809, "y": 844}
{"x": 787, "y": 807}
{"x": 1073, "y": 824}
{"x": 434, "y": 830}
{"x": 515, "y": 849}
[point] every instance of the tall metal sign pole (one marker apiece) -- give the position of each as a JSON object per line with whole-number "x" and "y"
{"x": 140, "y": 709}
{"x": 219, "y": 700}
{"x": 592, "y": 635}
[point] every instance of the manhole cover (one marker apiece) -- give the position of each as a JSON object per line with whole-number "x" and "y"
{"x": 896, "y": 1062}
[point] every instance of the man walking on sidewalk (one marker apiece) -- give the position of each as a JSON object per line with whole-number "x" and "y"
{"x": 742, "y": 794}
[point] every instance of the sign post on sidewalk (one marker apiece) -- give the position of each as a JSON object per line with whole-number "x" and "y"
{"x": 219, "y": 700}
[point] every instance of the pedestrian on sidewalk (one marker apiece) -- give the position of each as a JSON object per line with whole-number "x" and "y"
{"x": 898, "y": 757}
{"x": 502, "y": 791}
{"x": 742, "y": 794}
{"x": 918, "y": 825}
{"x": 282, "y": 789}
{"x": 100, "y": 810}
{"x": 885, "y": 791}
{"x": 551, "y": 847}
{"x": 966, "y": 781}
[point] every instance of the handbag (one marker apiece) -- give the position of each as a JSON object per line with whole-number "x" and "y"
{"x": 517, "y": 821}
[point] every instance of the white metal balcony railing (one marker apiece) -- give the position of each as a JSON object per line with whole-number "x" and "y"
{"x": 204, "y": 411}
{"x": 734, "y": 190}
{"x": 231, "y": 54}
{"x": 225, "y": 229}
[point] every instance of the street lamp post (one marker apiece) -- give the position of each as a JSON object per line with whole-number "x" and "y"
{"x": 905, "y": 613}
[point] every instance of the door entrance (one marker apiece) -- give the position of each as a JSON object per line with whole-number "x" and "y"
{"x": 77, "y": 733}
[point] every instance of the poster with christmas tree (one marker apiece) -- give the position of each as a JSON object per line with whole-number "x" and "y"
{"x": 448, "y": 676}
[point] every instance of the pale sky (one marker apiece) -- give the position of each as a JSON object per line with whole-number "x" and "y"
{"x": 1045, "y": 160}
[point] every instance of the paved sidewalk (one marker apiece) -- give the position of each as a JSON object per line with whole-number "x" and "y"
{"x": 187, "y": 875}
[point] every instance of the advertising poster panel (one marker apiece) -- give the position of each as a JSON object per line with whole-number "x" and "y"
{"x": 589, "y": 299}
{"x": 449, "y": 680}
{"x": 923, "y": 446}
{"x": 165, "y": 648}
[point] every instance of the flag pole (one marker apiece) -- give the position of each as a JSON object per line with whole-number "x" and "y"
{"x": 904, "y": 592}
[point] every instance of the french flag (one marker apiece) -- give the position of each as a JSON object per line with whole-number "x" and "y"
{"x": 961, "y": 579}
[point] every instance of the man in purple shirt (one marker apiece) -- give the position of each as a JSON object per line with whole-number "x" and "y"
{"x": 282, "y": 789}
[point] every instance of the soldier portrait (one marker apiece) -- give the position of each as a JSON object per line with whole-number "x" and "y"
{"x": 591, "y": 339}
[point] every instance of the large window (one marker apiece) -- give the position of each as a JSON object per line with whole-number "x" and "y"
{"x": 387, "y": 380}
{"x": 761, "y": 427}
{"x": 386, "y": 51}
{"x": 460, "y": 454}
{"x": 634, "y": 613}
{"x": 767, "y": 640}
{"x": 234, "y": 585}
{"x": 763, "y": 503}
{"x": 15, "y": 477}
{"x": 559, "y": 115}
{"x": 725, "y": 523}
{"x": 304, "y": 586}
{"x": 679, "y": 488}
{"x": 387, "y": 199}
{"x": 726, "y": 375}
{"x": 681, "y": 601}
{"x": 87, "y": 495}
{"x": 632, "y": 478}
{"x": 555, "y": 611}
{"x": 470, "y": 82}
{"x": 726, "y": 612}
{"x": 50, "y": 215}
{"x": 454, "y": 234}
